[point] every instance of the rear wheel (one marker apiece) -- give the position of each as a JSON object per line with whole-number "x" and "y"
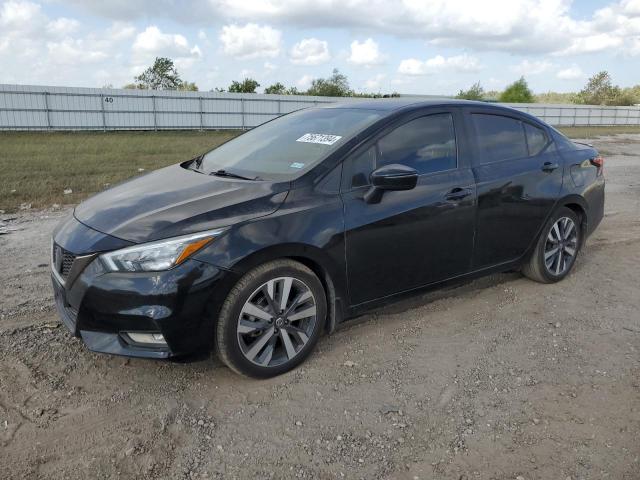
{"x": 557, "y": 248}
{"x": 272, "y": 319}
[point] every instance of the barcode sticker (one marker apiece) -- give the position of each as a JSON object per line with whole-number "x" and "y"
{"x": 322, "y": 138}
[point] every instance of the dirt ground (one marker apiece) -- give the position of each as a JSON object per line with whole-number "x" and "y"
{"x": 501, "y": 378}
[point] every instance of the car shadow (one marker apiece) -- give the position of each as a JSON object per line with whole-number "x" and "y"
{"x": 421, "y": 298}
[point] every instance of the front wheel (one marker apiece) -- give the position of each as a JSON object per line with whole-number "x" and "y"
{"x": 271, "y": 319}
{"x": 557, "y": 248}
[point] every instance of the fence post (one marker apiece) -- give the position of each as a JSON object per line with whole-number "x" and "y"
{"x": 155, "y": 120}
{"x": 104, "y": 121}
{"x": 46, "y": 106}
{"x": 279, "y": 106}
{"x": 201, "y": 113}
{"x": 242, "y": 111}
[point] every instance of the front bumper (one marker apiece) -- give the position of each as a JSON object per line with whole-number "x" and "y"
{"x": 100, "y": 307}
{"x": 182, "y": 303}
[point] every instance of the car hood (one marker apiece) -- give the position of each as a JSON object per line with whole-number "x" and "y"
{"x": 176, "y": 201}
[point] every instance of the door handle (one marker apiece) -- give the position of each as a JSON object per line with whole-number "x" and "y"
{"x": 549, "y": 166}
{"x": 458, "y": 193}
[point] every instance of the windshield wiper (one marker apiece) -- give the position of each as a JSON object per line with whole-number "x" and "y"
{"x": 224, "y": 173}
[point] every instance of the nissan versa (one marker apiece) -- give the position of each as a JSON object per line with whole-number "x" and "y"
{"x": 259, "y": 246}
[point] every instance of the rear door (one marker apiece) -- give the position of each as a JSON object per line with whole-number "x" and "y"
{"x": 415, "y": 237}
{"x": 518, "y": 176}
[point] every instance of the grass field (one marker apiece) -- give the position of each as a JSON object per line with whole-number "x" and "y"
{"x": 38, "y": 167}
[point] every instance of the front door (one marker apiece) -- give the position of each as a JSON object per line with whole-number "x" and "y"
{"x": 415, "y": 237}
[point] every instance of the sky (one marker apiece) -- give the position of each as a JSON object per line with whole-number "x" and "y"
{"x": 416, "y": 47}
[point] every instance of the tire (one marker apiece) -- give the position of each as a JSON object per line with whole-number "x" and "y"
{"x": 255, "y": 335}
{"x": 544, "y": 265}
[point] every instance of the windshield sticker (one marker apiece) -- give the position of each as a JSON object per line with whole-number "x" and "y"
{"x": 321, "y": 138}
{"x": 296, "y": 165}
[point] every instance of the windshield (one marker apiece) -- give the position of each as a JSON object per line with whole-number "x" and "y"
{"x": 288, "y": 146}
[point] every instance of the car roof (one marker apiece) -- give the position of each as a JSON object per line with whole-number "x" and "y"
{"x": 395, "y": 104}
{"x": 392, "y": 104}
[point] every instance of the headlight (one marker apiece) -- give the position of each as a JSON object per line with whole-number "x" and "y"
{"x": 157, "y": 256}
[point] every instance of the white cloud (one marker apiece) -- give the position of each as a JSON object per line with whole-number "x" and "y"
{"x": 269, "y": 67}
{"x": 631, "y": 7}
{"x": 62, "y": 26}
{"x": 373, "y": 84}
{"x": 152, "y": 42}
{"x": 574, "y": 72}
{"x": 516, "y": 26}
{"x": 20, "y": 15}
{"x": 592, "y": 44}
{"x": 365, "y": 53}
{"x": 246, "y": 73}
{"x": 310, "y": 51}
{"x": 121, "y": 31}
{"x": 532, "y": 67}
{"x": 251, "y": 41}
{"x": 438, "y": 64}
{"x": 71, "y": 52}
{"x": 304, "y": 82}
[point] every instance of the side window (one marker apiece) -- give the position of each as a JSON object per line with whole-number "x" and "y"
{"x": 427, "y": 144}
{"x": 357, "y": 169}
{"x": 499, "y": 138}
{"x": 537, "y": 139}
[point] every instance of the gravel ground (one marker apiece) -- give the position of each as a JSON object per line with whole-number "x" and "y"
{"x": 500, "y": 378}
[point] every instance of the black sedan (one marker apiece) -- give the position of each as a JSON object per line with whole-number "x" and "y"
{"x": 259, "y": 246}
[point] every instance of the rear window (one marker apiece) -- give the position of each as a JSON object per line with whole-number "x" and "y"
{"x": 290, "y": 145}
{"x": 499, "y": 138}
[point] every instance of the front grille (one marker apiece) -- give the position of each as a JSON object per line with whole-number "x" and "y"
{"x": 62, "y": 260}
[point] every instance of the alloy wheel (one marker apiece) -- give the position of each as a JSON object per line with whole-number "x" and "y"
{"x": 561, "y": 246}
{"x": 276, "y": 321}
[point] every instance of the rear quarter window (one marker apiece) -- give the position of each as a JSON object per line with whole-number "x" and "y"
{"x": 537, "y": 139}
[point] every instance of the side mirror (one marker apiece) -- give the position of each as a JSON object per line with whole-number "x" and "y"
{"x": 390, "y": 177}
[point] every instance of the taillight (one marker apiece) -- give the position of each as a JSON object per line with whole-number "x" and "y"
{"x": 598, "y": 162}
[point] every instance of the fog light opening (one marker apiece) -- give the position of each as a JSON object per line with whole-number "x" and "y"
{"x": 155, "y": 339}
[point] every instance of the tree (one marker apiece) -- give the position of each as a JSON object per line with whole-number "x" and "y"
{"x": 276, "y": 89}
{"x": 517, "y": 92}
{"x": 599, "y": 90}
{"x": 162, "y": 75}
{"x": 476, "y": 92}
{"x": 248, "y": 85}
{"x": 556, "y": 97}
{"x": 188, "y": 87}
{"x": 337, "y": 85}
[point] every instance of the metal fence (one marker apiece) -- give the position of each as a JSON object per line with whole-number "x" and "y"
{"x": 24, "y": 107}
